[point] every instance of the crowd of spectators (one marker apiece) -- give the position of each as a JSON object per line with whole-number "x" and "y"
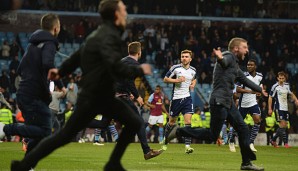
{"x": 272, "y": 46}
{"x": 219, "y": 8}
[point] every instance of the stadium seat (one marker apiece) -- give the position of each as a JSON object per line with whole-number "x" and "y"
{"x": 290, "y": 67}
{"x": 58, "y": 59}
{"x": 62, "y": 50}
{"x": 163, "y": 84}
{"x": 75, "y": 46}
{"x": 24, "y": 45}
{"x": 159, "y": 80}
{"x": 29, "y": 34}
{"x": 10, "y": 40}
{"x": 151, "y": 82}
{"x": 296, "y": 66}
{"x": 2, "y": 34}
{"x": 4, "y": 64}
{"x": 205, "y": 86}
{"x": 60, "y": 45}
{"x": 67, "y": 45}
{"x": 200, "y": 88}
{"x": 69, "y": 51}
{"x": 10, "y": 35}
{"x": 24, "y": 42}
{"x": 148, "y": 77}
{"x": 156, "y": 75}
{"x": 22, "y": 35}
{"x": 2, "y": 37}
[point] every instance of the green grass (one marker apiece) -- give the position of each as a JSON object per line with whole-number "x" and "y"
{"x": 87, "y": 157}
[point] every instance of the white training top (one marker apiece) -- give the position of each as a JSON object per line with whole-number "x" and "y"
{"x": 181, "y": 90}
{"x": 247, "y": 99}
{"x": 280, "y": 94}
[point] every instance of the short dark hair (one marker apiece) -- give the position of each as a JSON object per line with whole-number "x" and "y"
{"x": 107, "y": 9}
{"x": 134, "y": 48}
{"x": 252, "y": 60}
{"x": 48, "y": 21}
{"x": 197, "y": 108}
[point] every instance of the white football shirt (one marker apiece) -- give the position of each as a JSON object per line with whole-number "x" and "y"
{"x": 280, "y": 94}
{"x": 247, "y": 99}
{"x": 181, "y": 90}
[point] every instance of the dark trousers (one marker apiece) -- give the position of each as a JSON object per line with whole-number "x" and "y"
{"x": 219, "y": 114}
{"x": 142, "y": 131}
{"x": 102, "y": 124}
{"x": 269, "y": 136}
{"x": 38, "y": 121}
{"x": 88, "y": 106}
{"x": 55, "y": 122}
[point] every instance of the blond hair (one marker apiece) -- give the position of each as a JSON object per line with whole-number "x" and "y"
{"x": 134, "y": 48}
{"x": 187, "y": 51}
{"x": 235, "y": 42}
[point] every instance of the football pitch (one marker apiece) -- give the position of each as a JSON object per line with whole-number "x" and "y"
{"x": 206, "y": 157}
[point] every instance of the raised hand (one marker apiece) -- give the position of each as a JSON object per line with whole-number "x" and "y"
{"x": 218, "y": 53}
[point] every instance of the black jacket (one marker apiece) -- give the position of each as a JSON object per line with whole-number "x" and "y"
{"x": 99, "y": 59}
{"x": 127, "y": 85}
{"x": 35, "y": 64}
{"x": 226, "y": 73}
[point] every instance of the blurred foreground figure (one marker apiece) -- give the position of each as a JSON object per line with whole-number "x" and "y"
{"x": 99, "y": 59}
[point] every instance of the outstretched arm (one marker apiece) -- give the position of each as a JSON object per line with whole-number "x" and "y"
{"x": 269, "y": 105}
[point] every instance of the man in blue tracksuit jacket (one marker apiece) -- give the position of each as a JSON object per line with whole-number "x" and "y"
{"x": 33, "y": 95}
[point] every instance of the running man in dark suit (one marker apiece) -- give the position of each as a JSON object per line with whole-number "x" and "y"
{"x": 99, "y": 58}
{"x": 126, "y": 87}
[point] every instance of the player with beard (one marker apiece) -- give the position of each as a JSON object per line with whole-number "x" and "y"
{"x": 183, "y": 77}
